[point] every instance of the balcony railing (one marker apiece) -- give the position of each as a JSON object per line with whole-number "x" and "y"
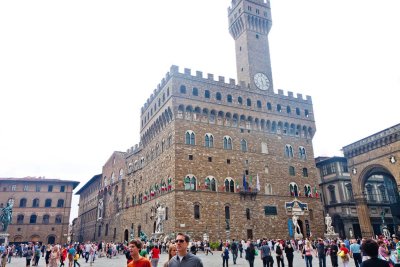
{"x": 248, "y": 193}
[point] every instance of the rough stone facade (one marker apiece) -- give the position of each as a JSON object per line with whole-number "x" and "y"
{"x": 378, "y": 154}
{"x": 32, "y": 219}
{"x": 254, "y": 132}
{"x": 84, "y": 227}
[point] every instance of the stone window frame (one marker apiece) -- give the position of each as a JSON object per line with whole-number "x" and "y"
{"x": 182, "y": 89}
{"x": 307, "y": 190}
{"x": 33, "y": 219}
{"x": 218, "y": 96}
{"x": 227, "y": 142}
{"x": 195, "y": 91}
{"x": 305, "y": 172}
{"x": 48, "y": 203}
{"x": 190, "y": 138}
{"x": 293, "y": 189}
{"x": 244, "y": 145}
{"x": 289, "y": 151}
{"x": 212, "y": 184}
{"x": 20, "y": 219}
{"x": 292, "y": 171}
{"x": 46, "y": 219}
{"x": 229, "y": 185}
{"x": 23, "y": 202}
{"x": 196, "y": 211}
{"x": 302, "y": 153}
{"x": 268, "y": 189}
{"x": 208, "y": 140}
{"x": 190, "y": 182}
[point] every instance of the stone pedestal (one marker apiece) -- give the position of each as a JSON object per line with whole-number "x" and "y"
{"x": 298, "y": 236}
{"x": 4, "y": 238}
{"x": 331, "y": 236}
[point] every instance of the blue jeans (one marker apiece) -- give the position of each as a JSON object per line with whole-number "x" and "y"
{"x": 322, "y": 260}
{"x": 357, "y": 259}
{"x": 308, "y": 261}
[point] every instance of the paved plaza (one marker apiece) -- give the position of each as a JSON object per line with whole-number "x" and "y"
{"x": 208, "y": 261}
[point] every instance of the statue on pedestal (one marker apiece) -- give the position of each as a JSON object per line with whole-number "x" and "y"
{"x": 160, "y": 219}
{"x": 330, "y": 231}
{"x": 6, "y": 215}
{"x": 297, "y": 230}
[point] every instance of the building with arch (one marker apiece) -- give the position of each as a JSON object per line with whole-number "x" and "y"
{"x": 219, "y": 154}
{"x": 374, "y": 169}
{"x": 41, "y": 208}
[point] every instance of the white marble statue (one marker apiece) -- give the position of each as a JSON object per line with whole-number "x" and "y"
{"x": 160, "y": 219}
{"x": 329, "y": 227}
{"x": 297, "y": 229}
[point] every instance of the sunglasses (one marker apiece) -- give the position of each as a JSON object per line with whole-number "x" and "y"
{"x": 179, "y": 240}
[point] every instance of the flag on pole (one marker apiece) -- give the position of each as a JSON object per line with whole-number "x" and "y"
{"x": 244, "y": 182}
{"x": 316, "y": 191}
{"x": 258, "y": 184}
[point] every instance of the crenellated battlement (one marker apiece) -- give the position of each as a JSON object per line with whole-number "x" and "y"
{"x": 221, "y": 81}
{"x": 234, "y": 3}
{"x": 134, "y": 149}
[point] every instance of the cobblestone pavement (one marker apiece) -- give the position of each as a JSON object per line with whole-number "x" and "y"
{"x": 208, "y": 261}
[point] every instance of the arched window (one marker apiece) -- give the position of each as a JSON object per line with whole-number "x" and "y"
{"x": 20, "y": 219}
{"x": 58, "y": 219}
{"x": 288, "y": 110}
{"x": 190, "y": 138}
{"x": 259, "y": 105}
{"x": 302, "y": 153}
{"x": 307, "y": 190}
{"x": 293, "y": 189}
{"x": 240, "y": 100}
{"x": 227, "y": 217}
{"x": 305, "y": 172}
{"x": 195, "y": 91}
{"x": 22, "y": 203}
{"x": 218, "y": 96}
{"x": 248, "y": 214}
{"x": 196, "y": 212}
{"x": 292, "y": 171}
{"x": 248, "y": 102}
{"x": 229, "y": 98}
{"x": 60, "y": 203}
{"x": 229, "y": 185}
{"x": 32, "y": 219}
{"x": 243, "y": 145}
{"x": 297, "y": 111}
{"x": 288, "y": 151}
{"x": 279, "y": 108}
{"x": 35, "y": 203}
{"x": 227, "y": 142}
{"x": 46, "y": 219}
{"x": 206, "y": 94}
{"x": 190, "y": 182}
{"x": 183, "y": 89}
{"x": 47, "y": 203}
{"x": 269, "y": 106}
{"x": 209, "y": 140}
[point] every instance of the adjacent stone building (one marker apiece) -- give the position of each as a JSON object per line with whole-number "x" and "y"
{"x": 374, "y": 169}
{"x": 84, "y": 227}
{"x": 338, "y": 198}
{"x": 224, "y": 158}
{"x": 41, "y": 208}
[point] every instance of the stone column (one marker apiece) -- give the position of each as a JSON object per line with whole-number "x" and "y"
{"x": 363, "y": 216}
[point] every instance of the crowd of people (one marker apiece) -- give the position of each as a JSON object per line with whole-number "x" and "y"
{"x": 182, "y": 252}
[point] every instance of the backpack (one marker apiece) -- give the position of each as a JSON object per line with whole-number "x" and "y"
{"x": 278, "y": 250}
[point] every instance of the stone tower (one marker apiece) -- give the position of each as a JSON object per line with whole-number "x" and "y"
{"x": 249, "y": 25}
{"x": 226, "y": 159}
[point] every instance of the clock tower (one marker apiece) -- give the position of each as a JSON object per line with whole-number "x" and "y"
{"x": 249, "y": 25}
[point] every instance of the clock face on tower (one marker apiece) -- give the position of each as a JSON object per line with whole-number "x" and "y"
{"x": 261, "y": 80}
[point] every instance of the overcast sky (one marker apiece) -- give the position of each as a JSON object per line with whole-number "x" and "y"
{"x": 74, "y": 74}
